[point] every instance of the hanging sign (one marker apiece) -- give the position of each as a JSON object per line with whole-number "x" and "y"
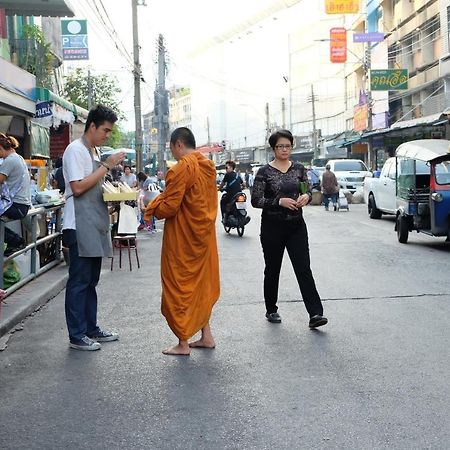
{"x": 368, "y": 37}
{"x": 338, "y": 45}
{"x": 74, "y": 39}
{"x": 388, "y": 79}
{"x": 360, "y": 116}
{"x": 341, "y": 6}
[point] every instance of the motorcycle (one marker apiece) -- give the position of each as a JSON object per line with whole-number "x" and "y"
{"x": 236, "y": 214}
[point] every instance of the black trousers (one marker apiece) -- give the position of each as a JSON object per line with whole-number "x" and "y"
{"x": 14, "y": 212}
{"x": 275, "y": 237}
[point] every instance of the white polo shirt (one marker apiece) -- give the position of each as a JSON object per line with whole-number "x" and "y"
{"x": 77, "y": 164}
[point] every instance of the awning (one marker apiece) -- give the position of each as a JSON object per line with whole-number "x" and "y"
{"x": 45, "y": 95}
{"x": 47, "y": 8}
{"x": 40, "y": 141}
{"x": 427, "y": 120}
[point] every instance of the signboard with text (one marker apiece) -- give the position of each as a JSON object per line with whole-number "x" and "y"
{"x": 388, "y": 79}
{"x": 360, "y": 118}
{"x": 74, "y": 39}
{"x": 338, "y": 45}
{"x": 368, "y": 37}
{"x": 341, "y": 6}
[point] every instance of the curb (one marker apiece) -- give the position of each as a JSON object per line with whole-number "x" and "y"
{"x": 31, "y": 297}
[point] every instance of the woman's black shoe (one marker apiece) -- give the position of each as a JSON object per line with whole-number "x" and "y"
{"x": 317, "y": 321}
{"x": 273, "y": 317}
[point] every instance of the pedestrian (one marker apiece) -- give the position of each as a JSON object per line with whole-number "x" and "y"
{"x": 280, "y": 189}
{"x": 86, "y": 228}
{"x": 128, "y": 177}
{"x": 330, "y": 188}
{"x": 189, "y": 259}
{"x": 15, "y": 190}
{"x": 313, "y": 178}
{"x": 251, "y": 181}
{"x": 148, "y": 191}
{"x": 232, "y": 184}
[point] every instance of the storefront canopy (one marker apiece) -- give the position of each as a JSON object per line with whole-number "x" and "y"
{"x": 47, "y": 8}
{"x": 44, "y": 95}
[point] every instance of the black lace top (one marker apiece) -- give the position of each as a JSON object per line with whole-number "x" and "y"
{"x": 270, "y": 185}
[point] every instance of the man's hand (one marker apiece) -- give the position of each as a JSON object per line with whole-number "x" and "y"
{"x": 303, "y": 200}
{"x": 288, "y": 203}
{"x": 115, "y": 158}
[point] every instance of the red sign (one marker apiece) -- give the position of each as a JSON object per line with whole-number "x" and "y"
{"x": 59, "y": 140}
{"x": 3, "y": 32}
{"x": 338, "y": 45}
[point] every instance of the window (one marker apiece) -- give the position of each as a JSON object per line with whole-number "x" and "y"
{"x": 442, "y": 172}
{"x": 386, "y": 168}
{"x": 346, "y": 166}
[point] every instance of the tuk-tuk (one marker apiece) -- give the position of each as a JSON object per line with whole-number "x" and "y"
{"x": 423, "y": 188}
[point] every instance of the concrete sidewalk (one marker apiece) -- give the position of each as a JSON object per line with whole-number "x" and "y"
{"x": 29, "y": 298}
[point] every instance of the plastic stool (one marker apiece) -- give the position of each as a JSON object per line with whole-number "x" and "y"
{"x": 129, "y": 242}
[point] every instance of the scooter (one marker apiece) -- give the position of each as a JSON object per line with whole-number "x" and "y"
{"x": 236, "y": 214}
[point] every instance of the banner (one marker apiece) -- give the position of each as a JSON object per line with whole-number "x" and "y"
{"x": 338, "y": 45}
{"x": 341, "y": 6}
{"x": 360, "y": 118}
{"x": 388, "y": 79}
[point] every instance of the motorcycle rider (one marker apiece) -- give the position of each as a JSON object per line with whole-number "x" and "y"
{"x": 232, "y": 183}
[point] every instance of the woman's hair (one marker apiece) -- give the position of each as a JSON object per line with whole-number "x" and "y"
{"x": 232, "y": 164}
{"x": 274, "y": 137}
{"x": 141, "y": 176}
{"x": 124, "y": 167}
{"x": 8, "y": 142}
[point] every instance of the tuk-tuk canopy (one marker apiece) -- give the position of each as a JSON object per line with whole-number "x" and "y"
{"x": 424, "y": 149}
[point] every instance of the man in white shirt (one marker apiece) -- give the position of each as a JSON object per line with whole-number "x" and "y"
{"x": 86, "y": 228}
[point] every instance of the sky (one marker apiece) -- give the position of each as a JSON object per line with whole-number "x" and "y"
{"x": 185, "y": 25}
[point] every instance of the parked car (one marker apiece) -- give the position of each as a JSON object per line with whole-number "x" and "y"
{"x": 350, "y": 173}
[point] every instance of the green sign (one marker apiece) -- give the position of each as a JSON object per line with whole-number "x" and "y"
{"x": 388, "y": 79}
{"x": 73, "y": 26}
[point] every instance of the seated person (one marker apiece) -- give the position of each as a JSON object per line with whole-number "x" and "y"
{"x": 232, "y": 184}
{"x": 14, "y": 173}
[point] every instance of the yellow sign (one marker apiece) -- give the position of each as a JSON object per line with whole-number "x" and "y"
{"x": 341, "y": 6}
{"x": 360, "y": 118}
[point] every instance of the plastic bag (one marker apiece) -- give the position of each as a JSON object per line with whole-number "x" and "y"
{"x": 128, "y": 222}
{"x": 11, "y": 274}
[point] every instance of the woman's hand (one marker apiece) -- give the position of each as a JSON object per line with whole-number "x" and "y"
{"x": 288, "y": 203}
{"x": 302, "y": 200}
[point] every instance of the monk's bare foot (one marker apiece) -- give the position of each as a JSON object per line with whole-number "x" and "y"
{"x": 203, "y": 343}
{"x": 178, "y": 350}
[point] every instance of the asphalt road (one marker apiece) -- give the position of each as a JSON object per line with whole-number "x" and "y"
{"x": 375, "y": 377}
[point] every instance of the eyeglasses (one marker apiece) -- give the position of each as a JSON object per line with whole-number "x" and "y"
{"x": 286, "y": 146}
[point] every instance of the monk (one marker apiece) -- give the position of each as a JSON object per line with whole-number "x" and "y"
{"x": 189, "y": 259}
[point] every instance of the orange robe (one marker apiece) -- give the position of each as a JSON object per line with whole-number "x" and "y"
{"x": 189, "y": 259}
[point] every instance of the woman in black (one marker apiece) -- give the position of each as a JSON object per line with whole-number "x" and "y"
{"x": 281, "y": 189}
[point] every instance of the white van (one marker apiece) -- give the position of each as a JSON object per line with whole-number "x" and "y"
{"x": 350, "y": 173}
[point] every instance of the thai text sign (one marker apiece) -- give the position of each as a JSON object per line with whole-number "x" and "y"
{"x": 360, "y": 118}
{"x": 341, "y": 6}
{"x": 388, "y": 79}
{"x": 338, "y": 45}
{"x": 74, "y": 39}
{"x": 368, "y": 37}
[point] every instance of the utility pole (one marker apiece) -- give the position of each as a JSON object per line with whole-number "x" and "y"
{"x": 267, "y": 122}
{"x": 367, "y": 66}
{"x": 137, "y": 88}
{"x": 283, "y": 113}
{"x": 314, "y": 132}
{"x": 161, "y": 105}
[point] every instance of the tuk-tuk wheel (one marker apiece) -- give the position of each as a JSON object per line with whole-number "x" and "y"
{"x": 402, "y": 229}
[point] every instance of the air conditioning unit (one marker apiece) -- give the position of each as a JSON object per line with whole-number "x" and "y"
{"x": 444, "y": 65}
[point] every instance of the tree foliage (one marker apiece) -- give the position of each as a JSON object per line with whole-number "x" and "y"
{"x": 104, "y": 89}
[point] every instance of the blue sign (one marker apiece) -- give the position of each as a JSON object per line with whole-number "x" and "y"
{"x": 368, "y": 37}
{"x": 43, "y": 109}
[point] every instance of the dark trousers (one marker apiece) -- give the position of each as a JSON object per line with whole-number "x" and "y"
{"x": 275, "y": 237}
{"x": 81, "y": 296}
{"x": 15, "y": 212}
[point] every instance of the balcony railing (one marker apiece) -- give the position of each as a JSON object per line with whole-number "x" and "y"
{"x": 34, "y": 58}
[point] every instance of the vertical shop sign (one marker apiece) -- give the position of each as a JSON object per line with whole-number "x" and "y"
{"x": 74, "y": 39}
{"x": 338, "y": 45}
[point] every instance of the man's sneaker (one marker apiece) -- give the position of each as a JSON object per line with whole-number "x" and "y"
{"x": 273, "y": 317}
{"x": 104, "y": 336}
{"x": 335, "y": 207}
{"x": 84, "y": 343}
{"x": 317, "y": 321}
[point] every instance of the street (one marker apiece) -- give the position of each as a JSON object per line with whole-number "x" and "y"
{"x": 375, "y": 377}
